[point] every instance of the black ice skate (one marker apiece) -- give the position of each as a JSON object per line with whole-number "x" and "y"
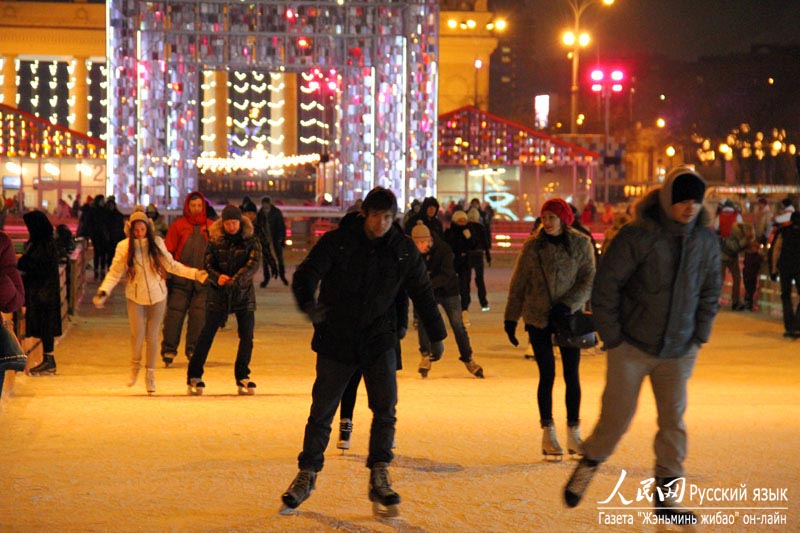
{"x": 385, "y": 501}
{"x": 299, "y": 491}
{"x": 579, "y": 481}
{"x": 196, "y": 387}
{"x": 474, "y": 368}
{"x": 46, "y": 368}
{"x": 668, "y": 501}
{"x": 425, "y": 365}
{"x": 246, "y": 387}
{"x": 345, "y": 430}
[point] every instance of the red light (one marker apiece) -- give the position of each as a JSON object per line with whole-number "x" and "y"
{"x": 332, "y": 85}
{"x": 302, "y": 42}
{"x": 617, "y": 75}
{"x": 597, "y": 75}
{"x": 290, "y": 14}
{"x": 617, "y": 87}
{"x": 596, "y": 87}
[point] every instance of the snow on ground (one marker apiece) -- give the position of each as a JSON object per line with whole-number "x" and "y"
{"x": 82, "y": 452}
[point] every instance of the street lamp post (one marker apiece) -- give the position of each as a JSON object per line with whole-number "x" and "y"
{"x": 576, "y": 40}
{"x": 606, "y": 84}
{"x": 478, "y": 65}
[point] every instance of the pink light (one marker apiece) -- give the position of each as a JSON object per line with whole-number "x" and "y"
{"x": 617, "y": 75}
{"x": 597, "y": 87}
{"x": 290, "y": 14}
{"x": 597, "y": 75}
{"x": 332, "y": 85}
{"x": 313, "y": 85}
{"x": 617, "y": 87}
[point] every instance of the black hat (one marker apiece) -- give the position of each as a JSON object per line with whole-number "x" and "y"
{"x": 688, "y": 187}
{"x": 231, "y": 212}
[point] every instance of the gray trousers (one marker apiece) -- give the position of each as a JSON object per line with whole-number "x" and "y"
{"x": 627, "y": 368}
{"x": 145, "y": 322}
{"x": 186, "y": 297}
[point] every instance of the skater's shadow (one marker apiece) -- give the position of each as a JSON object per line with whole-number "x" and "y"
{"x": 351, "y": 525}
{"x": 415, "y": 463}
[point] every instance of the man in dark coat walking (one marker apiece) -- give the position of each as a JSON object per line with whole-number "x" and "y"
{"x": 359, "y": 270}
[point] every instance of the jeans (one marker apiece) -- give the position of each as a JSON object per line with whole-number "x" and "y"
{"x": 349, "y": 396}
{"x": 333, "y": 377}
{"x": 145, "y": 322}
{"x": 542, "y": 341}
{"x": 245, "y": 321}
{"x": 791, "y": 317}
{"x": 452, "y": 308}
{"x": 185, "y": 297}
{"x": 627, "y": 368}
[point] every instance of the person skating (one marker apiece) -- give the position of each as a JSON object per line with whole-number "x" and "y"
{"x": 144, "y": 262}
{"x": 786, "y": 264}
{"x": 270, "y": 218}
{"x": 655, "y": 298}
{"x": 439, "y": 261}
{"x": 232, "y": 259}
{"x": 552, "y": 279}
{"x": 359, "y": 269}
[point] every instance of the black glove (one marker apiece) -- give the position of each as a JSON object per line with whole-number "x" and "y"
{"x": 437, "y": 349}
{"x": 774, "y": 276}
{"x": 511, "y": 330}
{"x": 401, "y": 333}
{"x": 316, "y": 312}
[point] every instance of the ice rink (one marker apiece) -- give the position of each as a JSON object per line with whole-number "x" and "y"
{"x": 80, "y": 451}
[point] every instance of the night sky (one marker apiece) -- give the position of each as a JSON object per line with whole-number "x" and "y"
{"x": 679, "y": 29}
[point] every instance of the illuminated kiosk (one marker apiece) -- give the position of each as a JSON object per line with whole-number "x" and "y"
{"x": 161, "y": 56}
{"x": 512, "y": 167}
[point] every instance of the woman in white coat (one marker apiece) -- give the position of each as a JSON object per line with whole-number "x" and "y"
{"x": 143, "y": 260}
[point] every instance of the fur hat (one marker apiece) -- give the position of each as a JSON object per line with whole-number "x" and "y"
{"x": 420, "y": 231}
{"x": 561, "y": 209}
{"x": 231, "y": 212}
{"x": 459, "y": 217}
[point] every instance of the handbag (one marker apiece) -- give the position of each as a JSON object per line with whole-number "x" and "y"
{"x": 574, "y": 331}
{"x": 12, "y": 356}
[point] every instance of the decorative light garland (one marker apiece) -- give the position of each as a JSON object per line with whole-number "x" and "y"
{"x": 262, "y": 162}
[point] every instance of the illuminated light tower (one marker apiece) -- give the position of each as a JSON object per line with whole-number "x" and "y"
{"x": 577, "y": 40}
{"x": 606, "y": 84}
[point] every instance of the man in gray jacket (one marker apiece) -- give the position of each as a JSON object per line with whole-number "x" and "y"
{"x": 654, "y": 299}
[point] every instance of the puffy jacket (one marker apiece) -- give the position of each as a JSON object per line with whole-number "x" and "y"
{"x": 147, "y": 286}
{"x": 569, "y": 272}
{"x": 237, "y": 256}
{"x": 786, "y": 251}
{"x": 358, "y": 282}
{"x": 12, "y": 292}
{"x": 639, "y": 295}
{"x": 180, "y": 230}
{"x": 740, "y": 237}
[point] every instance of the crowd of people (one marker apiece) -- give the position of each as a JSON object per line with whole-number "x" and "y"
{"x": 654, "y": 292}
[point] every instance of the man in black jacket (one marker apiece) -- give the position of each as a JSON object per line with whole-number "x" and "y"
{"x": 359, "y": 268}
{"x": 786, "y": 263}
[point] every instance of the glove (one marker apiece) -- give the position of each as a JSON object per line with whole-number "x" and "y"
{"x": 99, "y": 299}
{"x": 437, "y": 349}
{"x": 511, "y": 330}
{"x": 401, "y": 333}
{"x": 774, "y": 276}
{"x": 201, "y": 276}
{"x": 316, "y": 313}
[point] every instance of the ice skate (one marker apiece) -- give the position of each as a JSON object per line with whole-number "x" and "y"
{"x": 345, "y": 430}
{"x": 167, "y": 358}
{"x": 425, "y": 365}
{"x": 150, "y": 380}
{"x": 134, "y": 374}
{"x": 579, "y": 481}
{"x": 385, "y": 501}
{"x": 196, "y": 387}
{"x": 668, "y": 498}
{"x": 299, "y": 491}
{"x": 474, "y": 368}
{"x": 574, "y": 441}
{"x": 246, "y": 387}
{"x": 551, "y": 449}
{"x": 46, "y": 368}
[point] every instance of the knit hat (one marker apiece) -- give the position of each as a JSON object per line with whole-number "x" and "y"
{"x": 786, "y": 202}
{"x": 138, "y": 215}
{"x": 459, "y": 217}
{"x": 473, "y": 215}
{"x": 690, "y": 187}
{"x": 249, "y": 207}
{"x": 231, "y": 212}
{"x": 420, "y": 231}
{"x": 561, "y": 209}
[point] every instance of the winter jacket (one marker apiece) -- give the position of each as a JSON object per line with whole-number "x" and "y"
{"x": 12, "y": 292}
{"x": 740, "y": 237}
{"x": 273, "y": 224}
{"x": 786, "y": 251}
{"x": 147, "y": 286}
{"x": 180, "y": 230}
{"x": 566, "y": 271}
{"x": 439, "y": 262}
{"x": 238, "y": 256}
{"x": 358, "y": 281}
{"x": 658, "y": 285}
{"x": 461, "y": 240}
{"x": 39, "y": 267}
{"x": 433, "y": 223}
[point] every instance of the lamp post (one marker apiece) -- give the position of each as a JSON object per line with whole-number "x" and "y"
{"x": 606, "y": 83}
{"x": 576, "y": 40}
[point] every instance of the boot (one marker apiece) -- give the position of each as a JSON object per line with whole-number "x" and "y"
{"x": 299, "y": 491}
{"x": 46, "y": 368}
{"x": 246, "y": 387}
{"x": 150, "y": 380}
{"x": 384, "y": 500}
{"x": 551, "y": 449}
{"x": 345, "y": 430}
{"x": 425, "y": 365}
{"x": 668, "y": 500}
{"x": 474, "y": 368}
{"x": 574, "y": 441}
{"x": 134, "y": 374}
{"x": 579, "y": 481}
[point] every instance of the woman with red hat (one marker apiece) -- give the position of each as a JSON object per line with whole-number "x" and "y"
{"x": 552, "y": 279}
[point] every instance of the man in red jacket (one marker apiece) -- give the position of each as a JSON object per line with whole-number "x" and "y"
{"x": 186, "y": 240}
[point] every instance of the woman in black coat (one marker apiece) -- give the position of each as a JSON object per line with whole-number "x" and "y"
{"x": 39, "y": 268}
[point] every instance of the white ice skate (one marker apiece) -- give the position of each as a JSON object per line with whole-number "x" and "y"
{"x": 150, "y": 381}
{"x": 246, "y": 387}
{"x": 196, "y": 387}
{"x": 345, "y": 430}
{"x": 551, "y": 449}
{"x": 574, "y": 441}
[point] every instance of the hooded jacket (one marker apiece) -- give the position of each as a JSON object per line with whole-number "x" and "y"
{"x": 39, "y": 267}
{"x": 147, "y": 286}
{"x": 658, "y": 285}
{"x": 358, "y": 282}
{"x": 182, "y": 228}
{"x": 433, "y": 223}
{"x": 237, "y": 256}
